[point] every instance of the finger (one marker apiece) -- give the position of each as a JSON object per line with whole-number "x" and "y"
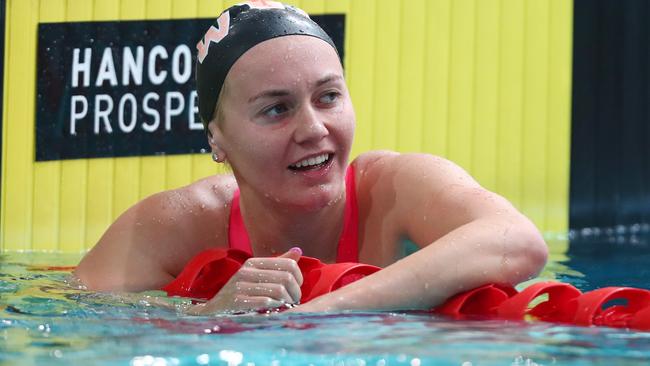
{"x": 286, "y": 279}
{"x": 272, "y": 290}
{"x": 277, "y": 264}
{"x": 294, "y": 253}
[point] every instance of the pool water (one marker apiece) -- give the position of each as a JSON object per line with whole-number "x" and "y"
{"x": 44, "y": 321}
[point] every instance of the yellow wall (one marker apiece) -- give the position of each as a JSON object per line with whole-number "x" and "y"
{"x": 485, "y": 83}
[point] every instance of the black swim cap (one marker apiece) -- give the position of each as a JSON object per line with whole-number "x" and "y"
{"x": 237, "y": 30}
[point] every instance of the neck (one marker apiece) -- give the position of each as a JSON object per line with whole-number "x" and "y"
{"x": 274, "y": 228}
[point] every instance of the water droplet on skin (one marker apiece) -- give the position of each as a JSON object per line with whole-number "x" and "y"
{"x": 505, "y": 261}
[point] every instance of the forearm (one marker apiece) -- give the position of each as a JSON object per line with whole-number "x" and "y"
{"x": 480, "y": 252}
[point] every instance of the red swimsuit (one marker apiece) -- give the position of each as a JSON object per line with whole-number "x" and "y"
{"x": 348, "y": 243}
{"x": 209, "y": 270}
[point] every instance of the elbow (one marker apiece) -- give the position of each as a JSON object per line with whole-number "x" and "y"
{"x": 536, "y": 254}
{"x": 528, "y": 254}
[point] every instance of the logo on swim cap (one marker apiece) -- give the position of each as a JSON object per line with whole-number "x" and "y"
{"x": 213, "y": 35}
{"x": 237, "y": 30}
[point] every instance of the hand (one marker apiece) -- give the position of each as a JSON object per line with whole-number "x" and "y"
{"x": 260, "y": 283}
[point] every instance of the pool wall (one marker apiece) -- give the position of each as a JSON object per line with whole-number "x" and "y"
{"x": 485, "y": 83}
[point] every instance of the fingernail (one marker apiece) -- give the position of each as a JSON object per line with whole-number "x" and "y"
{"x": 297, "y": 250}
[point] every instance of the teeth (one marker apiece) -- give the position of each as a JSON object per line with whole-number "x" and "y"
{"x": 311, "y": 161}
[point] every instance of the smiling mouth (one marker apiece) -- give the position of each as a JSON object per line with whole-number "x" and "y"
{"x": 312, "y": 163}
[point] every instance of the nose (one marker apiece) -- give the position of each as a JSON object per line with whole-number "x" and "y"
{"x": 310, "y": 126}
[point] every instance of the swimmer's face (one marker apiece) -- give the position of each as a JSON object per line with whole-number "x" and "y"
{"x": 286, "y": 122}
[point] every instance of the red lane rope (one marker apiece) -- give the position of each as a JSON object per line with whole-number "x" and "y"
{"x": 620, "y": 307}
{"x": 210, "y": 270}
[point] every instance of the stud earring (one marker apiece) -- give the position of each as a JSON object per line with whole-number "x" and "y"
{"x": 215, "y": 157}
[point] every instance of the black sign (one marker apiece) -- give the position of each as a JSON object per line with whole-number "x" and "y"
{"x": 109, "y": 89}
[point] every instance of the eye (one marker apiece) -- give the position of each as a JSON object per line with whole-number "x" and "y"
{"x": 275, "y": 111}
{"x": 329, "y": 97}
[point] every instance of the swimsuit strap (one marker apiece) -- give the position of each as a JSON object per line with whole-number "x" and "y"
{"x": 348, "y": 243}
{"x": 237, "y": 234}
{"x": 348, "y": 250}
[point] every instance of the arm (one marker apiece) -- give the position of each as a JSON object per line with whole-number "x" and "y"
{"x": 468, "y": 237}
{"x": 150, "y": 243}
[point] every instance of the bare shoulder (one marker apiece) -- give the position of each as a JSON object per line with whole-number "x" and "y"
{"x": 391, "y": 189}
{"x": 190, "y": 210}
{"x": 420, "y": 196}
{"x": 152, "y": 241}
{"x": 213, "y": 193}
{"x": 370, "y": 159}
{"x": 384, "y": 169}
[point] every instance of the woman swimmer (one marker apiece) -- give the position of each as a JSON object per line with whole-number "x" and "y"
{"x": 277, "y": 110}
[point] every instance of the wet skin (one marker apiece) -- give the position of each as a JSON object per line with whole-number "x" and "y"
{"x": 285, "y": 101}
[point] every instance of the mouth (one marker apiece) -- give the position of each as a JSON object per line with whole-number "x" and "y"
{"x": 312, "y": 163}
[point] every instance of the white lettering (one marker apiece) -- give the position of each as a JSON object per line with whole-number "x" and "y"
{"x": 106, "y": 69}
{"x": 132, "y": 66}
{"x": 169, "y": 111}
{"x": 103, "y": 113}
{"x": 77, "y": 115}
{"x": 182, "y": 52}
{"x": 150, "y": 111}
{"x": 157, "y": 78}
{"x": 128, "y": 97}
{"x": 82, "y": 67}
{"x": 128, "y": 112}
{"x": 191, "y": 113}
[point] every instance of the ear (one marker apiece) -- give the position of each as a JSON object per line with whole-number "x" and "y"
{"x": 215, "y": 139}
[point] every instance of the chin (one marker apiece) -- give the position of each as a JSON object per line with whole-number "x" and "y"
{"x": 320, "y": 198}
